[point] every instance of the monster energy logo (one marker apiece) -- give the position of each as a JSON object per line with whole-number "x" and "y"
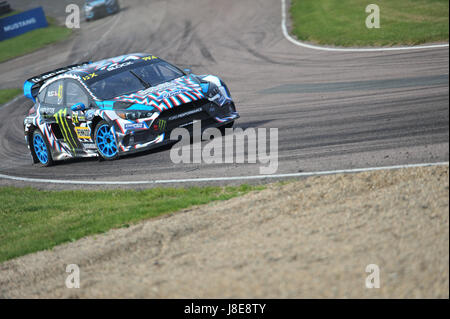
{"x": 162, "y": 124}
{"x": 61, "y": 120}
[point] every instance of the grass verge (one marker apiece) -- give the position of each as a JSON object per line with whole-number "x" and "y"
{"x": 33, "y": 40}
{"x": 33, "y": 220}
{"x": 342, "y": 22}
{"x": 8, "y": 94}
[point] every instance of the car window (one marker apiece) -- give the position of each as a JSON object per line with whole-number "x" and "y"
{"x": 41, "y": 96}
{"x": 115, "y": 85}
{"x": 55, "y": 93}
{"x": 126, "y": 82}
{"x": 75, "y": 94}
{"x": 158, "y": 73}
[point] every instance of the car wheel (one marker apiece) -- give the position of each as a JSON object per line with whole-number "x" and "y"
{"x": 105, "y": 141}
{"x": 223, "y": 127}
{"x": 41, "y": 149}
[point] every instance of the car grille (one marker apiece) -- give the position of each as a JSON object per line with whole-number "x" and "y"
{"x": 180, "y": 115}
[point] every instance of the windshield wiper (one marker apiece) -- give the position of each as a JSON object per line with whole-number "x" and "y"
{"x": 145, "y": 84}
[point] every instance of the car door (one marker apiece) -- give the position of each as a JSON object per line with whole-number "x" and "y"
{"x": 51, "y": 101}
{"x": 75, "y": 94}
{"x": 55, "y": 112}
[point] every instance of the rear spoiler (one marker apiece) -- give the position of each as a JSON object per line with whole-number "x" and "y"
{"x": 31, "y": 86}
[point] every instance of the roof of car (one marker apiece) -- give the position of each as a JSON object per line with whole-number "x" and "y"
{"x": 104, "y": 66}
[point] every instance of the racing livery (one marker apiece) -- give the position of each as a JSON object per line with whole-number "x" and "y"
{"x": 99, "y": 8}
{"x": 118, "y": 106}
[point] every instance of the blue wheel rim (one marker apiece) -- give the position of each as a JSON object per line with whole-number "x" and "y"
{"x": 40, "y": 148}
{"x": 106, "y": 143}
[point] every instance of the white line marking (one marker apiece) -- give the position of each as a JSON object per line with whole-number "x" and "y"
{"x": 215, "y": 179}
{"x": 323, "y": 48}
{"x": 11, "y": 102}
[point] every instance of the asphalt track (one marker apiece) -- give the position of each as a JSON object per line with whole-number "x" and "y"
{"x": 333, "y": 110}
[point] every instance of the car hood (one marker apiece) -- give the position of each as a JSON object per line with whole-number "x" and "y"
{"x": 164, "y": 96}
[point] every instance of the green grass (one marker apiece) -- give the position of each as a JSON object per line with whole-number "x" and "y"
{"x": 33, "y": 40}
{"x": 33, "y": 220}
{"x": 342, "y": 22}
{"x": 8, "y": 94}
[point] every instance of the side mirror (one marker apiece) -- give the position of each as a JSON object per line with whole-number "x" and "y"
{"x": 187, "y": 71}
{"x": 78, "y": 107}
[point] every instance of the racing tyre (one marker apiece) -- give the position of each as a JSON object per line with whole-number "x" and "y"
{"x": 41, "y": 149}
{"x": 223, "y": 127}
{"x": 105, "y": 141}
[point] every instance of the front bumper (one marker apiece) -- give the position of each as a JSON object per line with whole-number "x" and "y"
{"x": 154, "y": 133}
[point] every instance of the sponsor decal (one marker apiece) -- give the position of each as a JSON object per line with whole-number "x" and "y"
{"x": 19, "y": 24}
{"x": 78, "y": 118}
{"x": 162, "y": 124}
{"x": 55, "y": 73}
{"x": 66, "y": 129}
{"x": 164, "y": 86}
{"x": 178, "y": 116}
{"x": 89, "y": 76}
{"x": 116, "y": 66}
{"x": 23, "y": 22}
{"x": 60, "y": 93}
{"x": 149, "y": 58}
{"x": 167, "y": 94}
{"x": 75, "y": 119}
{"x": 89, "y": 146}
{"x": 47, "y": 110}
{"x": 83, "y": 132}
{"x": 135, "y": 126}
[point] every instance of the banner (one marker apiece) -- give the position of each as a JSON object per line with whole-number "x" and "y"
{"x": 20, "y": 23}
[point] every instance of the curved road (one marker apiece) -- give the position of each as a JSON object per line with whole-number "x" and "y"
{"x": 332, "y": 110}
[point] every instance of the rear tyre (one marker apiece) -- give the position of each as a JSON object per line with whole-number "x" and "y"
{"x": 105, "y": 141}
{"x": 41, "y": 149}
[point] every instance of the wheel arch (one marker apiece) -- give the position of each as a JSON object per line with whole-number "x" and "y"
{"x": 94, "y": 123}
{"x": 29, "y": 135}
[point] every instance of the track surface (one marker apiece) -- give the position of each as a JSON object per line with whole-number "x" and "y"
{"x": 333, "y": 110}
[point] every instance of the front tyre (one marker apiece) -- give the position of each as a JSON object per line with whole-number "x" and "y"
{"x": 41, "y": 149}
{"x": 105, "y": 141}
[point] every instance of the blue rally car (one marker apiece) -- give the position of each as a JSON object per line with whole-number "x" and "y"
{"x": 118, "y": 106}
{"x": 94, "y": 9}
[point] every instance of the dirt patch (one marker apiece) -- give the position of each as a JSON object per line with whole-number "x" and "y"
{"x": 306, "y": 239}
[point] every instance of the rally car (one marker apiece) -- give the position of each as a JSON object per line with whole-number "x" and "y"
{"x": 118, "y": 106}
{"x": 94, "y": 9}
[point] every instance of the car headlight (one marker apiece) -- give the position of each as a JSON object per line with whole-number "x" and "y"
{"x": 134, "y": 115}
{"x": 214, "y": 94}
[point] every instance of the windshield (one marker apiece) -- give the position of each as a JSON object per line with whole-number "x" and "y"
{"x": 136, "y": 79}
